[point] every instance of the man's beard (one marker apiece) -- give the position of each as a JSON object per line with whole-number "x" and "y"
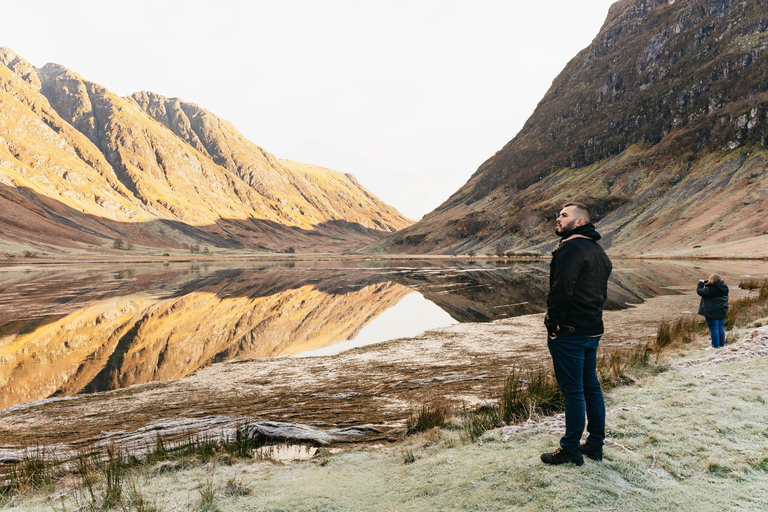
{"x": 567, "y": 228}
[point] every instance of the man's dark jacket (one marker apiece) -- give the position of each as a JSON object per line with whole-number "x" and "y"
{"x": 578, "y": 284}
{"x": 714, "y": 300}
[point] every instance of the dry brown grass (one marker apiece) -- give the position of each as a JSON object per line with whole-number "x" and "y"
{"x": 529, "y": 392}
{"x": 742, "y": 312}
{"x": 680, "y": 331}
{"x": 429, "y": 416}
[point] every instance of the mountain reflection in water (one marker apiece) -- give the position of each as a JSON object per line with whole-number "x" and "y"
{"x": 64, "y": 332}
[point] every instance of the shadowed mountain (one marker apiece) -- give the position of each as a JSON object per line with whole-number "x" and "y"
{"x": 660, "y": 125}
{"x": 155, "y": 161}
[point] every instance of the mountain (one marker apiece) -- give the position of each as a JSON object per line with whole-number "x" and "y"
{"x": 81, "y": 167}
{"x": 660, "y": 125}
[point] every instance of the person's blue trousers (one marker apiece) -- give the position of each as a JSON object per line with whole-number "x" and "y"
{"x": 716, "y": 331}
{"x": 575, "y": 360}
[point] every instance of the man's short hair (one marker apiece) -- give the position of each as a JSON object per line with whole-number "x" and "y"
{"x": 582, "y": 210}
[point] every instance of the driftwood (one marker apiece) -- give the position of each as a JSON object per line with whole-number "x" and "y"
{"x": 296, "y": 432}
{"x": 178, "y": 431}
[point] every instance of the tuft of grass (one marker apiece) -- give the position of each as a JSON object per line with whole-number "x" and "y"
{"x": 160, "y": 452}
{"x": 717, "y": 470}
{"x": 751, "y": 283}
{"x": 529, "y": 392}
{"x": 680, "y": 331}
{"x": 207, "y": 501}
{"x": 476, "y": 423}
{"x": 243, "y": 444}
{"x": 742, "y": 312}
{"x": 34, "y": 471}
{"x": 615, "y": 368}
{"x": 761, "y": 464}
{"x": 408, "y": 456}
{"x": 235, "y": 488}
{"x": 86, "y": 464}
{"x": 612, "y": 369}
{"x": 137, "y": 502}
{"x": 204, "y": 447}
{"x": 114, "y": 470}
{"x": 535, "y": 391}
{"x": 429, "y": 416}
{"x": 102, "y": 478}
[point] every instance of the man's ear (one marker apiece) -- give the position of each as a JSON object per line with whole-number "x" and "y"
{"x": 580, "y": 221}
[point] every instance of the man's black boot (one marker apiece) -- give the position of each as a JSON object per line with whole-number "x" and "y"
{"x": 592, "y": 451}
{"x": 561, "y": 455}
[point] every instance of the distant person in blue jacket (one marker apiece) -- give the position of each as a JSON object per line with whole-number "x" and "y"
{"x": 714, "y": 307}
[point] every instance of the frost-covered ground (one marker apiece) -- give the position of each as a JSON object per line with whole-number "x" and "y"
{"x": 693, "y": 437}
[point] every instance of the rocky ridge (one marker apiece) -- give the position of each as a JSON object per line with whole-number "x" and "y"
{"x": 660, "y": 125}
{"x": 81, "y": 167}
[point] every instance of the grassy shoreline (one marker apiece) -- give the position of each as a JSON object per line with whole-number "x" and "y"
{"x": 689, "y": 438}
{"x": 125, "y": 483}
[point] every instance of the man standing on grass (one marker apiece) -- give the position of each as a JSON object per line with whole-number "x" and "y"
{"x": 578, "y": 285}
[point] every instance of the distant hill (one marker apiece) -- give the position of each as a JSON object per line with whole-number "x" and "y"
{"x": 660, "y": 125}
{"x": 81, "y": 168}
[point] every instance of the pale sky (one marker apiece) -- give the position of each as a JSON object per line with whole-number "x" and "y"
{"x": 409, "y": 96}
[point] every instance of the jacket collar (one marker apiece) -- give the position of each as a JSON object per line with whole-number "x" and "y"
{"x": 584, "y": 231}
{"x": 572, "y": 237}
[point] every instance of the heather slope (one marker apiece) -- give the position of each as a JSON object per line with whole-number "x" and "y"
{"x": 660, "y": 125}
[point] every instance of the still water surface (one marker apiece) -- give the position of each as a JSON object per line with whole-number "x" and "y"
{"x": 65, "y": 331}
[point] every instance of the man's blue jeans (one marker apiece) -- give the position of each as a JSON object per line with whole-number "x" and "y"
{"x": 716, "y": 331}
{"x": 575, "y": 360}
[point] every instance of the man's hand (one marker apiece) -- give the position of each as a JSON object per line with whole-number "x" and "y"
{"x": 552, "y": 327}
